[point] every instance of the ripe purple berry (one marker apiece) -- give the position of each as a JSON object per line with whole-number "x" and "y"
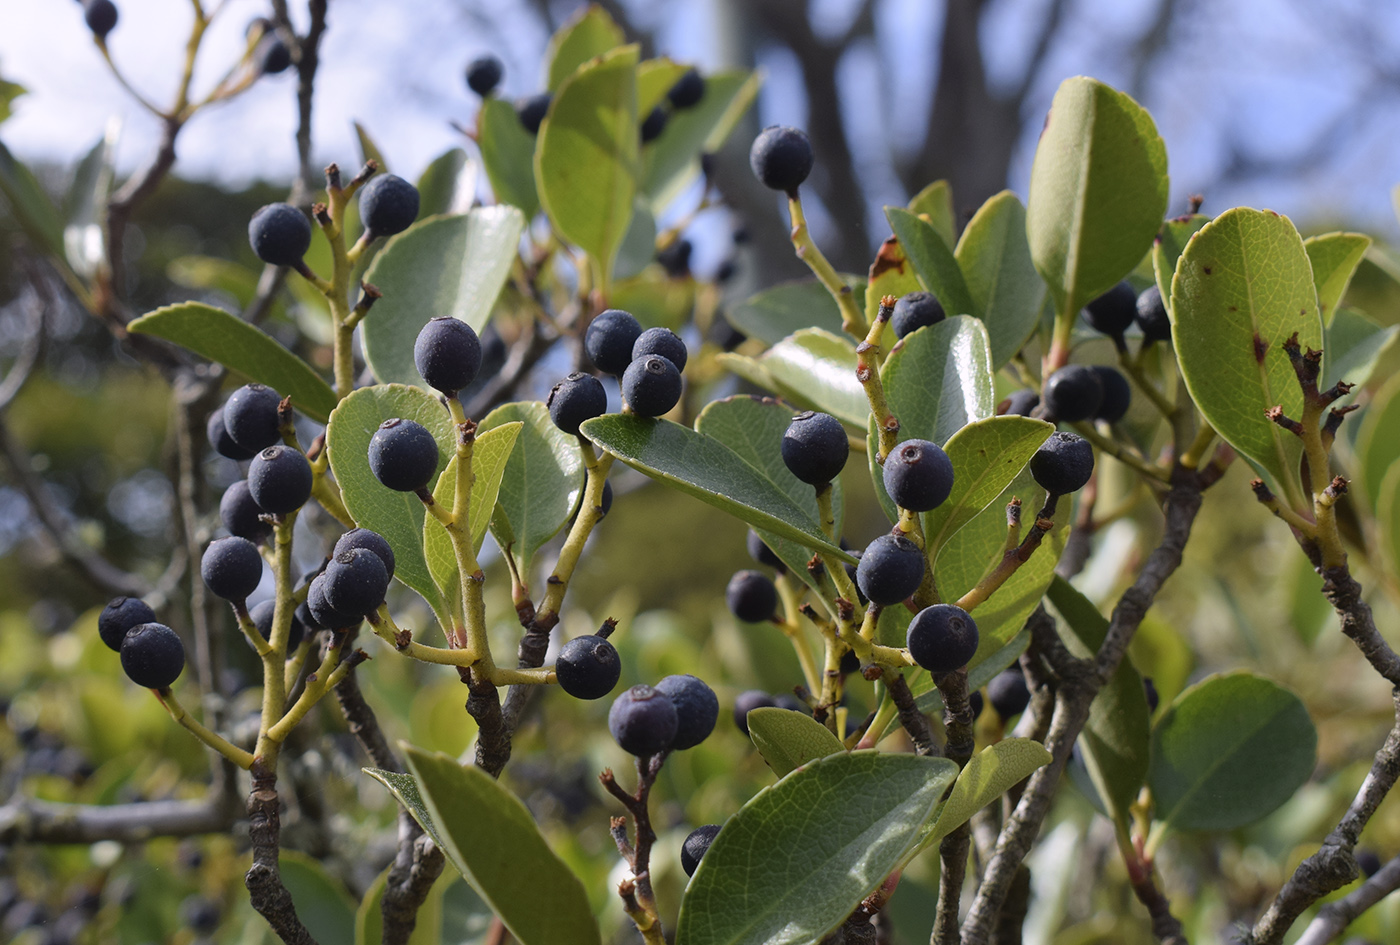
{"x": 918, "y": 475}
{"x": 751, "y": 596}
{"x": 1063, "y": 464}
{"x": 364, "y": 538}
{"x": 1073, "y": 393}
{"x": 781, "y": 158}
{"x": 388, "y": 205}
{"x": 942, "y": 638}
{"x": 447, "y": 353}
{"x": 531, "y": 111}
{"x": 220, "y": 440}
{"x": 484, "y": 74}
{"x": 355, "y": 581}
{"x": 916, "y": 310}
{"x": 100, "y": 16}
{"x": 688, "y": 90}
{"x": 250, "y": 416}
{"x": 1111, "y": 313}
{"x": 891, "y": 568}
{"x": 697, "y": 709}
{"x": 609, "y": 339}
{"x": 1007, "y": 692}
{"x": 576, "y": 398}
{"x": 241, "y": 515}
{"x": 815, "y": 447}
{"x": 262, "y": 615}
{"x": 588, "y": 667}
{"x": 1152, "y": 315}
{"x": 152, "y": 655}
{"x": 746, "y": 702}
{"x": 643, "y": 721}
{"x": 651, "y": 385}
{"x": 280, "y": 234}
{"x": 231, "y": 568}
{"x": 119, "y": 616}
{"x": 403, "y": 455}
{"x": 279, "y": 480}
{"x": 696, "y": 845}
{"x": 662, "y": 341}
{"x": 1117, "y": 395}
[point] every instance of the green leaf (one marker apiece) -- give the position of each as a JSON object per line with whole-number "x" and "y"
{"x": 1228, "y": 751}
{"x": 398, "y": 516}
{"x": 30, "y": 206}
{"x": 707, "y": 469}
{"x": 369, "y": 151}
{"x": 778, "y": 311}
{"x": 817, "y": 368}
{"x": 322, "y": 903}
{"x": 508, "y": 154}
{"x": 753, "y": 428}
{"x": 936, "y": 202}
{"x": 1242, "y": 287}
{"x": 987, "y": 776}
{"x": 933, "y": 261}
{"x": 996, "y": 263}
{"x": 938, "y": 379}
{"x": 890, "y": 274}
{"x": 210, "y": 272}
{"x": 586, "y": 162}
{"x": 591, "y": 33}
{"x": 1377, "y": 446}
{"x": 1098, "y": 191}
{"x": 657, "y": 300}
{"x": 404, "y": 787}
{"x": 1388, "y": 518}
{"x": 1166, "y": 250}
{"x": 369, "y": 917}
{"x": 227, "y": 339}
{"x": 1354, "y": 346}
{"x": 490, "y": 453}
{"x": 672, "y": 161}
{"x": 787, "y": 740}
{"x": 986, "y": 455}
{"x": 795, "y": 860}
{"x": 453, "y": 265}
{"x": 654, "y": 79}
{"x": 447, "y": 185}
{"x": 638, "y": 249}
{"x": 488, "y": 831}
{"x": 1115, "y": 738}
{"x": 9, "y": 91}
{"x": 542, "y": 482}
{"x": 1334, "y": 258}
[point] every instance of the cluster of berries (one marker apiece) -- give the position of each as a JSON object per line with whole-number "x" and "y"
{"x": 280, "y": 234}
{"x": 649, "y": 364}
{"x": 679, "y": 712}
{"x": 686, "y": 93}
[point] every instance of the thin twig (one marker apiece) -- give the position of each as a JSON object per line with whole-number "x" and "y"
{"x": 914, "y": 721}
{"x": 1333, "y": 918}
{"x": 264, "y": 878}
{"x": 24, "y": 820}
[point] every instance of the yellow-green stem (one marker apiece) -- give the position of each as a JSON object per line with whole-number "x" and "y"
{"x": 792, "y": 626}
{"x": 1205, "y": 436}
{"x": 868, "y": 358}
{"x": 214, "y": 740}
{"x": 590, "y": 513}
{"x": 1114, "y": 449}
{"x": 852, "y": 320}
{"x": 327, "y": 676}
{"x": 274, "y": 700}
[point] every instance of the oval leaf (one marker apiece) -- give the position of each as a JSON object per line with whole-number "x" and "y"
{"x": 1355, "y": 345}
{"x": 1334, "y": 258}
{"x": 454, "y": 265}
{"x": 228, "y": 340}
{"x": 591, "y": 33}
{"x": 447, "y": 185}
{"x": 987, "y": 776}
{"x": 1167, "y": 248}
{"x": 794, "y": 861}
{"x": 489, "y": 832}
{"x": 1229, "y": 750}
{"x": 935, "y": 202}
{"x": 938, "y": 379}
{"x": 996, "y": 263}
{"x": 890, "y": 274}
{"x": 933, "y": 260}
{"x": 541, "y": 483}
{"x": 1098, "y": 191}
{"x": 787, "y": 740}
{"x": 508, "y": 154}
{"x": 818, "y": 367}
{"x": 322, "y": 902}
{"x": 672, "y": 161}
{"x": 489, "y": 456}
{"x": 778, "y": 311}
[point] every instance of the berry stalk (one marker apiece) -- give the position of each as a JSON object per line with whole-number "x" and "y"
{"x": 211, "y": 738}
{"x": 868, "y": 358}
{"x": 852, "y": 321}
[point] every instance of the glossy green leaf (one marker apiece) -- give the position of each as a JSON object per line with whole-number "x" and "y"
{"x": 1228, "y": 751}
{"x": 369, "y": 151}
{"x": 936, "y": 202}
{"x": 586, "y": 162}
{"x": 753, "y": 428}
{"x": 490, "y": 453}
{"x": 672, "y": 161}
{"x": 1334, "y": 258}
{"x": 933, "y": 261}
{"x": 29, "y": 205}
{"x": 654, "y": 79}
{"x": 1166, "y": 250}
{"x": 1115, "y": 739}
{"x": 1377, "y": 446}
{"x": 1098, "y": 191}
{"x": 398, "y": 516}
{"x": 707, "y": 469}
{"x": 542, "y": 482}
{"x": 447, "y": 185}
{"x": 1354, "y": 345}
{"x": 986, "y": 455}
{"x": 779, "y": 310}
{"x": 890, "y": 274}
{"x": 215, "y": 334}
{"x": 507, "y": 861}
{"x": 987, "y": 776}
{"x": 796, "y": 859}
{"x": 1001, "y": 279}
{"x": 322, "y": 903}
{"x": 817, "y": 367}
{"x": 938, "y": 379}
{"x": 1242, "y": 287}
{"x": 369, "y": 917}
{"x": 452, "y": 265}
{"x": 508, "y": 154}
{"x": 591, "y": 33}
{"x": 787, "y": 740}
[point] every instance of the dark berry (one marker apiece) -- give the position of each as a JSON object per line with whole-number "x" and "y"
{"x": 262, "y": 615}
{"x": 364, "y": 538}
{"x": 323, "y": 615}
{"x": 609, "y": 340}
{"x": 250, "y": 415}
{"x": 851, "y": 572}
{"x": 1111, "y": 313}
{"x": 1116, "y": 394}
{"x": 916, "y": 310}
{"x": 447, "y": 354}
{"x": 654, "y": 124}
{"x": 942, "y": 638}
{"x": 725, "y": 271}
{"x": 697, "y": 709}
{"x": 279, "y": 479}
{"x": 280, "y": 234}
{"x": 781, "y": 157}
{"x": 1063, "y": 464}
{"x": 1150, "y": 690}
{"x": 675, "y": 259}
{"x": 200, "y": 914}
{"x": 484, "y": 74}
{"x": 1152, "y": 315}
{"x": 576, "y": 398}
{"x": 100, "y": 16}
{"x": 790, "y": 702}
{"x": 355, "y": 581}
{"x": 152, "y": 655}
{"x": 815, "y": 447}
{"x": 1007, "y": 692}
{"x": 119, "y": 616}
{"x": 696, "y": 845}
{"x": 241, "y": 515}
{"x": 531, "y": 111}
{"x": 850, "y": 663}
{"x": 231, "y": 568}
{"x": 220, "y": 440}
{"x": 1073, "y": 393}
{"x": 271, "y": 56}
{"x": 662, "y": 341}
{"x": 1019, "y": 404}
{"x": 918, "y": 475}
{"x": 588, "y": 667}
{"x": 688, "y": 90}
{"x": 1368, "y": 860}
{"x": 761, "y": 553}
{"x": 651, "y": 385}
{"x": 643, "y": 721}
{"x": 751, "y": 596}
{"x": 974, "y": 702}
{"x": 605, "y": 502}
{"x": 746, "y": 702}
{"x": 891, "y": 568}
{"x": 403, "y": 455}
{"x": 388, "y": 205}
